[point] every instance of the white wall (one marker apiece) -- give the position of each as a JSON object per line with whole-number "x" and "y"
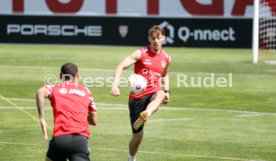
{"x": 167, "y": 8}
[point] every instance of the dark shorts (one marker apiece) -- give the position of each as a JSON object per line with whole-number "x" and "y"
{"x": 71, "y": 146}
{"x": 136, "y": 107}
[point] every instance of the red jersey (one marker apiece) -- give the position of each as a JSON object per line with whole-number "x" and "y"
{"x": 151, "y": 66}
{"x": 71, "y": 102}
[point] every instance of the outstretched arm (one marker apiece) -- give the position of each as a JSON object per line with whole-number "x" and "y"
{"x": 127, "y": 62}
{"x": 166, "y": 84}
{"x": 41, "y": 94}
{"x": 92, "y": 118}
{"x": 92, "y": 113}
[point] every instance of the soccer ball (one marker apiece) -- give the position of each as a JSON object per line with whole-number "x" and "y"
{"x": 136, "y": 83}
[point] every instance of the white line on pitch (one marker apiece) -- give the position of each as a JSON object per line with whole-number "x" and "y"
{"x": 20, "y": 99}
{"x": 168, "y": 120}
{"x": 250, "y": 115}
{"x": 12, "y": 107}
{"x": 145, "y": 152}
{"x": 115, "y": 107}
{"x": 53, "y": 68}
{"x": 161, "y": 108}
{"x": 23, "y": 144}
{"x": 96, "y": 69}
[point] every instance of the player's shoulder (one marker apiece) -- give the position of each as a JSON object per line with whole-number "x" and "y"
{"x": 87, "y": 89}
{"x": 144, "y": 49}
{"x": 142, "y": 52}
{"x": 83, "y": 88}
{"x": 49, "y": 86}
{"x": 136, "y": 54}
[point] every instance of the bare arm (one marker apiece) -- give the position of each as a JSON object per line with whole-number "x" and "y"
{"x": 166, "y": 84}
{"x": 127, "y": 62}
{"x": 92, "y": 118}
{"x": 41, "y": 94}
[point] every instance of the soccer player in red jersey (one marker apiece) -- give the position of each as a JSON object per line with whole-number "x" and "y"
{"x": 73, "y": 109}
{"x": 152, "y": 63}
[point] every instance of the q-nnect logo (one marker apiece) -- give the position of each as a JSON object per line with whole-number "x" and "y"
{"x": 170, "y": 36}
{"x": 185, "y": 34}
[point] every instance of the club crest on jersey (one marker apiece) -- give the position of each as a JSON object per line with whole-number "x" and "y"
{"x": 63, "y": 90}
{"x": 163, "y": 64}
{"x": 123, "y": 30}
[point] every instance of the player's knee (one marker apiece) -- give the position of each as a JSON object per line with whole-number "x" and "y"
{"x": 138, "y": 136}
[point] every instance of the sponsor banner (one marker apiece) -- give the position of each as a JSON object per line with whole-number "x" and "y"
{"x": 226, "y": 33}
{"x": 133, "y": 8}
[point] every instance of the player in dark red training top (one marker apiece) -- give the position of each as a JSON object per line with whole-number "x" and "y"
{"x": 152, "y": 63}
{"x": 73, "y": 109}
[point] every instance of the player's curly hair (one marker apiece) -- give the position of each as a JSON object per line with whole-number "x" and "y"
{"x": 69, "y": 70}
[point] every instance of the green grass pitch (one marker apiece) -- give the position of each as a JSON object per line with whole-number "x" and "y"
{"x": 199, "y": 124}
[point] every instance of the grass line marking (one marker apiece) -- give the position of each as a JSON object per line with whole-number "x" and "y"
{"x": 169, "y": 120}
{"x": 124, "y": 107}
{"x": 145, "y": 152}
{"x": 116, "y": 108}
{"x": 22, "y": 144}
{"x": 20, "y": 108}
{"x": 103, "y": 70}
{"x": 250, "y": 115}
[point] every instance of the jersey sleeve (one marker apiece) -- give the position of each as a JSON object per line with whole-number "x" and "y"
{"x": 143, "y": 51}
{"x": 49, "y": 89}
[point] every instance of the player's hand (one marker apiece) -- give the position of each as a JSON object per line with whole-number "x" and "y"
{"x": 44, "y": 127}
{"x": 167, "y": 99}
{"x": 45, "y": 136}
{"x": 115, "y": 91}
